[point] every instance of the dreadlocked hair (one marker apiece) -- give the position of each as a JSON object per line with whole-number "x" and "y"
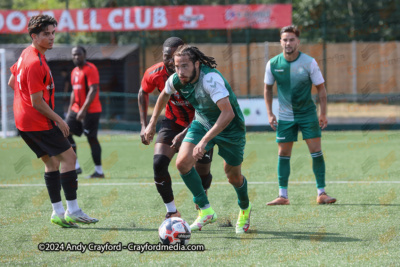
{"x": 194, "y": 55}
{"x": 39, "y": 23}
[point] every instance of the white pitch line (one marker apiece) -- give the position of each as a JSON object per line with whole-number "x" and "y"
{"x": 219, "y": 183}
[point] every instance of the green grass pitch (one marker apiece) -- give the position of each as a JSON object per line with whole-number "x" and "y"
{"x": 362, "y": 228}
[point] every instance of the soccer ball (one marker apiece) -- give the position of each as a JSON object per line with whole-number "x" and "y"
{"x": 174, "y": 230}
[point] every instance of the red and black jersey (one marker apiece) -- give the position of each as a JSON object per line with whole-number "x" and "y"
{"x": 81, "y": 79}
{"x": 178, "y": 109}
{"x": 32, "y": 75}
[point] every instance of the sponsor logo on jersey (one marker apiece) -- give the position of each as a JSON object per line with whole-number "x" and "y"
{"x": 279, "y": 70}
{"x": 180, "y": 103}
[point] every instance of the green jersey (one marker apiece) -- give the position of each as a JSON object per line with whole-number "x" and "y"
{"x": 204, "y": 94}
{"x": 294, "y": 80}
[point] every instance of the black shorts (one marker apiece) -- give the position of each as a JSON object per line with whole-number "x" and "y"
{"x": 169, "y": 129}
{"x": 89, "y": 126}
{"x": 51, "y": 142}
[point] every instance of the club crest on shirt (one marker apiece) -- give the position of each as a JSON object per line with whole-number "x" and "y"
{"x": 177, "y": 95}
{"x": 301, "y": 70}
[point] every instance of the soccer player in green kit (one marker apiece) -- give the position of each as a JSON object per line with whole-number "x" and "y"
{"x": 295, "y": 72}
{"x": 218, "y": 121}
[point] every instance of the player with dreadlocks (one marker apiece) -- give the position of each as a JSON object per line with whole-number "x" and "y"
{"x": 219, "y": 121}
{"x": 179, "y": 114}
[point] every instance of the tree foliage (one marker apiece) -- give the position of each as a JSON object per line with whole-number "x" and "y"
{"x": 347, "y": 20}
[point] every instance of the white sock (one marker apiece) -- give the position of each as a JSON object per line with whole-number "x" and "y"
{"x": 320, "y": 191}
{"x": 58, "y": 207}
{"x": 77, "y": 166}
{"x": 170, "y": 206}
{"x": 283, "y": 192}
{"x": 98, "y": 169}
{"x": 205, "y": 207}
{"x": 72, "y": 205}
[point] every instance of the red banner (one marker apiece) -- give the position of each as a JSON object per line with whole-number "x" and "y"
{"x": 155, "y": 18}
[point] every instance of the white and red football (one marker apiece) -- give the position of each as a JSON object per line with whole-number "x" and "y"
{"x": 174, "y": 230}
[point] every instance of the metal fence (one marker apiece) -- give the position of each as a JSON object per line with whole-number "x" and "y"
{"x": 355, "y": 43}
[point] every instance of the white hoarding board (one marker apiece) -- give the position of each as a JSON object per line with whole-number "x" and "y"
{"x": 255, "y": 111}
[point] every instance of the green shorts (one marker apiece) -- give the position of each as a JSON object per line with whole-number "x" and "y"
{"x": 230, "y": 148}
{"x": 287, "y": 131}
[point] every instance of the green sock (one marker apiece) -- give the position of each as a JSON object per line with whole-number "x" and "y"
{"x": 283, "y": 171}
{"x": 243, "y": 197}
{"x": 319, "y": 168}
{"x": 193, "y": 182}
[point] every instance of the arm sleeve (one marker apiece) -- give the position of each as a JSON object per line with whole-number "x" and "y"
{"x": 169, "y": 85}
{"x": 315, "y": 73}
{"x": 215, "y": 86}
{"x": 93, "y": 76}
{"x": 269, "y": 78}
{"x": 36, "y": 78}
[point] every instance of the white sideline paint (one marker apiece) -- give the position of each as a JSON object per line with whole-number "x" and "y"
{"x": 215, "y": 183}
